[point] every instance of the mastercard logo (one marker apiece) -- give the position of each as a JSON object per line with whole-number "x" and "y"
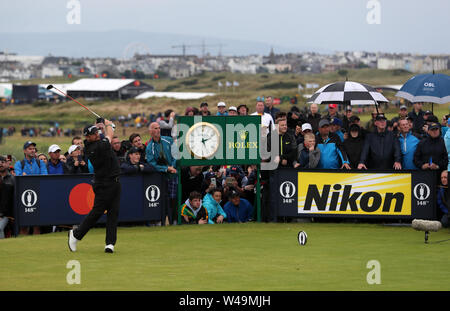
{"x": 81, "y": 199}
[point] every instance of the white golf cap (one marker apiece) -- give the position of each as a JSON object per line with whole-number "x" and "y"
{"x": 221, "y": 104}
{"x": 73, "y": 148}
{"x": 53, "y": 148}
{"x": 232, "y": 108}
{"x": 306, "y": 126}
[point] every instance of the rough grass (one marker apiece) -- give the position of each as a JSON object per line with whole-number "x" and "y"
{"x": 243, "y": 257}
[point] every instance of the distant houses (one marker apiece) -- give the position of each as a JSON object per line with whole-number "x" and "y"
{"x": 22, "y": 67}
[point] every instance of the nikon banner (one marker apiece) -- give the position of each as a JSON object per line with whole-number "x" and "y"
{"x": 405, "y": 194}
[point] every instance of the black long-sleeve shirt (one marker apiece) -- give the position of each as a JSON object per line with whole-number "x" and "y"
{"x": 381, "y": 151}
{"x": 433, "y": 148}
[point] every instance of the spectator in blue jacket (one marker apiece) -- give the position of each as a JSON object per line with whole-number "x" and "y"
{"x": 29, "y": 165}
{"x": 221, "y": 109}
{"x": 55, "y": 166}
{"x": 447, "y": 146}
{"x": 408, "y": 144}
{"x": 442, "y": 199}
{"x": 332, "y": 154}
{"x": 159, "y": 155}
{"x": 238, "y": 209}
{"x": 336, "y": 128}
{"x": 445, "y": 124}
{"x": 211, "y": 201}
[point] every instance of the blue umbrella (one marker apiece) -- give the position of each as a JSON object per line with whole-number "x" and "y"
{"x": 429, "y": 88}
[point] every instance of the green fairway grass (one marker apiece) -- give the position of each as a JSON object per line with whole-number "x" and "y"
{"x": 242, "y": 257}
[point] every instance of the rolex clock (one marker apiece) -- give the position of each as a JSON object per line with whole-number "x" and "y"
{"x": 203, "y": 140}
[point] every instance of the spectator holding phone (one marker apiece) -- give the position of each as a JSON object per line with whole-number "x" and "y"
{"x": 75, "y": 163}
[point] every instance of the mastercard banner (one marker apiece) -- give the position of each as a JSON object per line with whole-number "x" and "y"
{"x": 67, "y": 199}
{"x": 364, "y": 194}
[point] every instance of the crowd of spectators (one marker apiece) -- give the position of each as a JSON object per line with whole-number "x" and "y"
{"x": 308, "y": 139}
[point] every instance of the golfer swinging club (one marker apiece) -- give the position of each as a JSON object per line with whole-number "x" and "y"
{"x": 106, "y": 186}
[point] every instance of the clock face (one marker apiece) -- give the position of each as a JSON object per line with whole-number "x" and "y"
{"x": 202, "y": 140}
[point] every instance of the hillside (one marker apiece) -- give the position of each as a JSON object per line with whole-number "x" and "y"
{"x": 71, "y": 115}
{"x": 251, "y": 86}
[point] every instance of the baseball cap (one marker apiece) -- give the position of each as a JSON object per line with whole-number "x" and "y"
{"x": 89, "y": 130}
{"x": 234, "y": 194}
{"x": 221, "y": 104}
{"x": 204, "y": 104}
{"x": 53, "y": 148}
{"x": 133, "y": 150}
{"x": 306, "y": 126}
{"x": 403, "y": 107}
{"x": 332, "y": 106}
{"x": 380, "y": 116}
{"x": 233, "y": 108}
{"x": 354, "y": 118}
{"x": 428, "y": 112}
{"x": 354, "y": 127}
{"x": 2, "y": 158}
{"x": 73, "y": 148}
{"x": 434, "y": 126}
{"x": 209, "y": 175}
{"x": 336, "y": 121}
{"x": 27, "y": 144}
{"x": 348, "y": 108}
{"x": 323, "y": 122}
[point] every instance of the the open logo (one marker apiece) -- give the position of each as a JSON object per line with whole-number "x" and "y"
{"x": 422, "y": 191}
{"x": 29, "y": 198}
{"x": 152, "y": 193}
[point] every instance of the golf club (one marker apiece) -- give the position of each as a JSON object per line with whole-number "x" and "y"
{"x": 50, "y": 86}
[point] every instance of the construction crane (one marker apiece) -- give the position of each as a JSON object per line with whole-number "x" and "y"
{"x": 203, "y": 46}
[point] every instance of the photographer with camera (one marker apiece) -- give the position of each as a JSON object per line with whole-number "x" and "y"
{"x": 75, "y": 163}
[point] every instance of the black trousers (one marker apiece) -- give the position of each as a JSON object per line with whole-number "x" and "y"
{"x": 107, "y": 198}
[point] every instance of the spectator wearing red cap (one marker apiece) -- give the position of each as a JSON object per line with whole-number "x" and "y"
{"x": 333, "y": 112}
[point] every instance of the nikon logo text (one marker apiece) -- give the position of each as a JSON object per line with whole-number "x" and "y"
{"x": 368, "y": 202}
{"x": 354, "y": 194}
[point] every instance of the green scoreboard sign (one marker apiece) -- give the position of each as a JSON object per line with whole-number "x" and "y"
{"x": 218, "y": 140}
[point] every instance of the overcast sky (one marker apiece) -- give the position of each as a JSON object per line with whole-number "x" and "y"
{"x": 416, "y": 26}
